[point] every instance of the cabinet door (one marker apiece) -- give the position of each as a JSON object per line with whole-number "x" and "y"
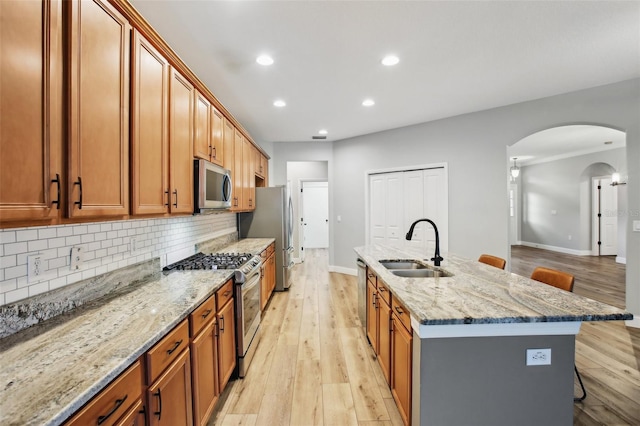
{"x": 226, "y": 343}
{"x": 228, "y": 153}
{"x": 204, "y": 359}
{"x": 100, "y": 39}
{"x": 384, "y": 342}
{"x": 170, "y": 396}
{"x": 271, "y": 263}
{"x": 238, "y": 169}
{"x": 249, "y": 181}
{"x": 31, "y": 105}
{"x": 149, "y": 129}
{"x": 401, "y": 343}
{"x": 217, "y": 143}
{"x": 264, "y": 286}
{"x": 202, "y": 139}
{"x": 181, "y": 144}
{"x": 372, "y": 316}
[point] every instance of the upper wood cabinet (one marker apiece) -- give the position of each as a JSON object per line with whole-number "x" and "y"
{"x": 202, "y": 138}
{"x": 31, "y": 105}
{"x": 208, "y": 141}
{"x": 248, "y": 175}
{"x": 217, "y": 142}
{"x": 181, "y": 100}
{"x": 98, "y": 114}
{"x": 149, "y": 129}
{"x": 238, "y": 172}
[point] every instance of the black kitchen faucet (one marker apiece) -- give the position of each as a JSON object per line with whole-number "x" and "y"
{"x": 436, "y": 257}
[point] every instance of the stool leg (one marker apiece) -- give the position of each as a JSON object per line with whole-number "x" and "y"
{"x": 584, "y": 391}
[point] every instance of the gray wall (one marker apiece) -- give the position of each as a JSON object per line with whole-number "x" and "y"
{"x": 305, "y": 170}
{"x": 565, "y": 186}
{"x": 475, "y": 148}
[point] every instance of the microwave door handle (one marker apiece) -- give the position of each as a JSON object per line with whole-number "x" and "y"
{"x": 226, "y": 188}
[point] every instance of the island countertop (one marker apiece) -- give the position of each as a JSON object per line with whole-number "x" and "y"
{"x": 52, "y": 369}
{"x": 481, "y": 294}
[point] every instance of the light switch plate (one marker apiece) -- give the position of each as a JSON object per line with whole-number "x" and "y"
{"x": 636, "y": 226}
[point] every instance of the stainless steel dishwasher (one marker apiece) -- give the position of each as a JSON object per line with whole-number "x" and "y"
{"x": 362, "y": 292}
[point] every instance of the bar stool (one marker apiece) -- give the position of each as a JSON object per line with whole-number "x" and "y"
{"x": 498, "y": 262}
{"x": 563, "y": 281}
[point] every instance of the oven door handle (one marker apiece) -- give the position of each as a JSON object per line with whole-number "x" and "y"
{"x": 252, "y": 281}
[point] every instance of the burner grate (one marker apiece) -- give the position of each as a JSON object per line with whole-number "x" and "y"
{"x": 210, "y": 261}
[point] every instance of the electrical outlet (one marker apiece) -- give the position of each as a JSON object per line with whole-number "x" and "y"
{"x": 539, "y": 356}
{"x": 77, "y": 257}
{"x": 133, "y": 245}
{"x": 35, "y": 268}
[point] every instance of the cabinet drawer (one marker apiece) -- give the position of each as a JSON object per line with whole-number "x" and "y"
{"x": 202, "y": 315}
{"x": 372, "y": 278}
{"x": 166, "y": 350}
{"x": 224, "y": 294}
{"x": 384, "y": 293}
{"x": 401, "y": 312}
{"x": 110, "y": 404}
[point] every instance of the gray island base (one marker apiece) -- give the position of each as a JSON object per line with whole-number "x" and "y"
{"x": 471, "y": 333}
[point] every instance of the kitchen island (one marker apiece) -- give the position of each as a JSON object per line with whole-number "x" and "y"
{"x": 471, "y": 332}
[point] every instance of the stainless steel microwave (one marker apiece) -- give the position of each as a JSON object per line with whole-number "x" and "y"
{"x": 212, "y": 186}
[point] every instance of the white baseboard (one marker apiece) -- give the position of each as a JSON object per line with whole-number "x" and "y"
{"x": 343, "y": 270}
{"x": 635, "y": 322}
{"x": 622, "y": 260}
{"x": 557, "y": 249}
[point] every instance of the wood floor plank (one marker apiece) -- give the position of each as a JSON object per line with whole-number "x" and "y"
{"x": 275, "y": 408}
{"x": 240, "y": 420}
{"x": 307, "y": 404}
{"x": 367, "y": 398}
{"x": 338, "y": 405}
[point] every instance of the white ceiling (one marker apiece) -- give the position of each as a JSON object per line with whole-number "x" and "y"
{"x": 455, "y": 57}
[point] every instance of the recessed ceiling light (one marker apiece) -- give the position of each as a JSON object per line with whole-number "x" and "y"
{"x": 390, "y": 60}
{"x": 265, "y": 60}
{"x": 279, "y": 103}
{"x": 322, "y": 132}
{"x": 368, "y": 102}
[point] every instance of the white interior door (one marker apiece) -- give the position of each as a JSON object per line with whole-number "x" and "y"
{"x": 394, "y": 206}
{"x": 605, "y": 217}
{"x": 397, "y": 199}
{"x": 315, "y": 204}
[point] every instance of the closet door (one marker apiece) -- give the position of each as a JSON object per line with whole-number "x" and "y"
{"x": 435, "y": 206}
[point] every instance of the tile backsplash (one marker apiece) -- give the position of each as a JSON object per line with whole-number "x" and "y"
{"x": 105, "y": 246}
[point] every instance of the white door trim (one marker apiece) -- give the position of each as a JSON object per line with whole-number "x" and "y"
{"x": 300, "y": 246}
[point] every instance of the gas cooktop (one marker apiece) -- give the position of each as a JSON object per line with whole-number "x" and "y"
{"x": 210, "y": 261}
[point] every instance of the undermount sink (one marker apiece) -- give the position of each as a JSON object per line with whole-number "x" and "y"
{"x": 402, "y": 264}
{"x": 420, "y": 273}
{"x": 409, "y": 268}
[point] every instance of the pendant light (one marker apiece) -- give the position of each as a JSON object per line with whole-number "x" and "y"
{"x": 515, "y": 170}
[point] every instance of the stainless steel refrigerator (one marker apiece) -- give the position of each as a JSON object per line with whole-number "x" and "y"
{"x": 273, "y": 217}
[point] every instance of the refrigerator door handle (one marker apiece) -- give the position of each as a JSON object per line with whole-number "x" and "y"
{"x": 291, "y": 263}
{"x": 290, "y": 250}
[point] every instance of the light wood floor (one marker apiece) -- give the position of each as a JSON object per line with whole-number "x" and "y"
{"x": 314, "y": 366}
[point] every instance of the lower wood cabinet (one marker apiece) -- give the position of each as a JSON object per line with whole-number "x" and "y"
{"x": 401, "y": 360}
{"x": 268, "y": 283}
{"x": 170, "y": 395}
{"x": 204, "y": 361}
{"x": 169, "y": 379}
{"x": 114, "y": 405}
{"x": 388, "y": 329}
{"x": 226, "y": 318}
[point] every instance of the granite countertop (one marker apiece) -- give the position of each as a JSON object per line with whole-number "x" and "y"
{"x": 50, "y": 370}
{"x": 481, "y": 294}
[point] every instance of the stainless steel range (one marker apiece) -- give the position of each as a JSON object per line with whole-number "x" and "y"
{"x": 247, "y": 296}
